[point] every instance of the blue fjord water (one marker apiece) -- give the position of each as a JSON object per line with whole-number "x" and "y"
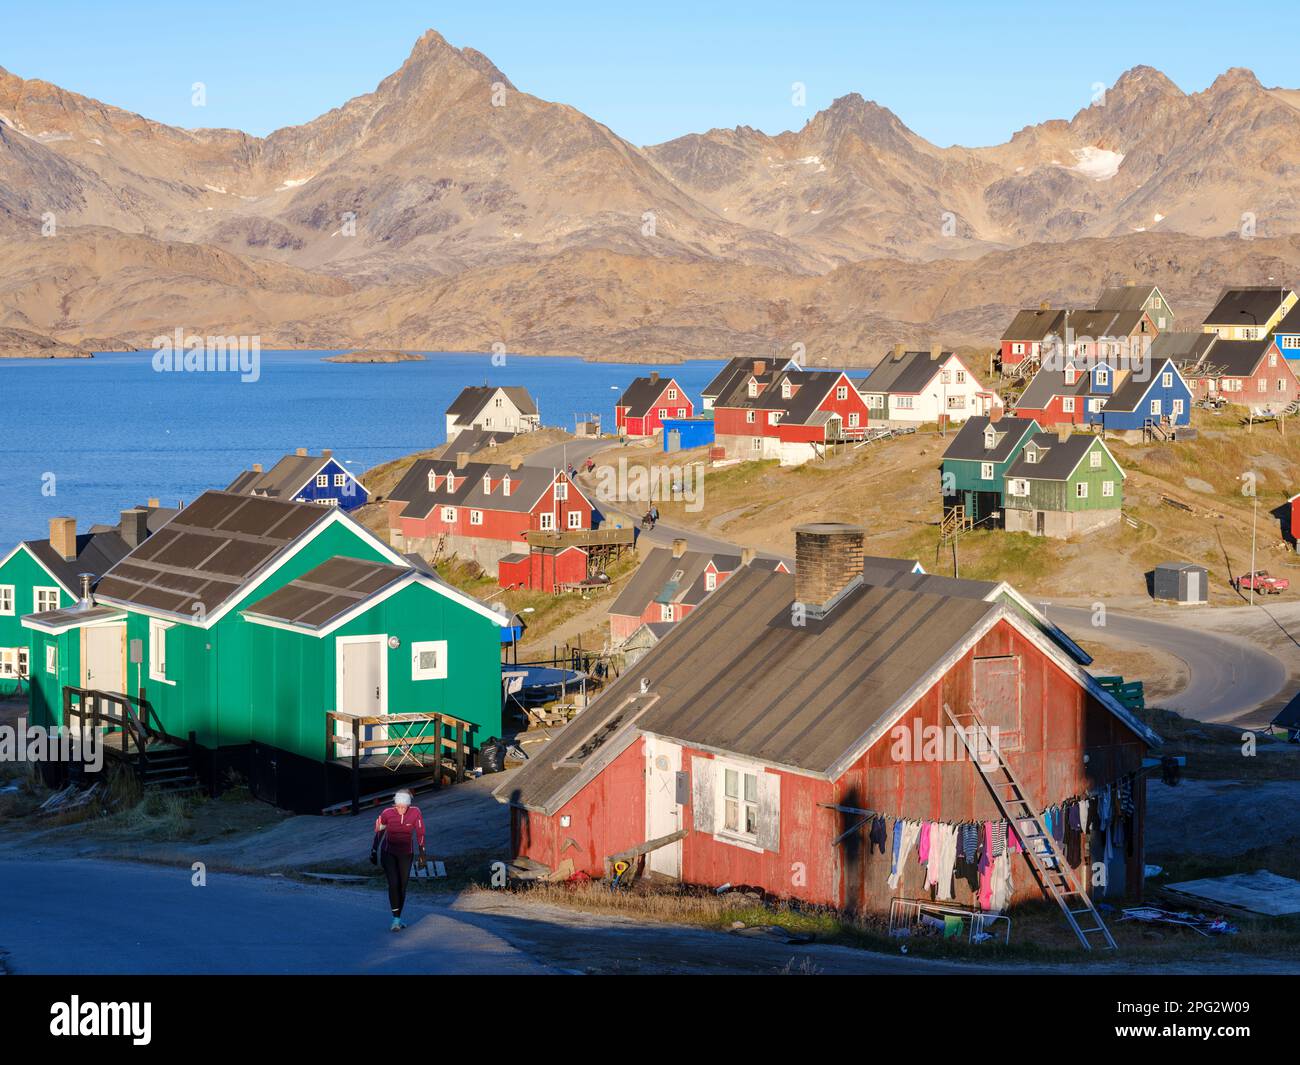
{"x": 113, "y": 432}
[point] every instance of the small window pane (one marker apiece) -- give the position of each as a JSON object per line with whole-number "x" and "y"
{"x": 731, "y": 786}
{"x": 751, "y": 788}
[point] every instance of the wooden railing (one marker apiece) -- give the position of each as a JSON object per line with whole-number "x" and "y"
{"x": 415, "y": 736}
{"x": 133, "y": 716}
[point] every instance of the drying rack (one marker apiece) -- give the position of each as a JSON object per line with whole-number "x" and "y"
{"x": 906, "y": 914}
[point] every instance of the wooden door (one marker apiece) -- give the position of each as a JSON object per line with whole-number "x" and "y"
{"x": 663, "y": 813}
{"x": 103, "y": 664}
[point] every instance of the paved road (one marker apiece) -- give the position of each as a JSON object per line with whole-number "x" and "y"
{"x": 99, "y": 917}
{"x": 576, "y": 451}
{"x": 1227, "y": 675}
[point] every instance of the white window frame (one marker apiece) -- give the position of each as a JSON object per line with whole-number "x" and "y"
{"x": 854, "y": 420}
{"x": 663, "y": 413}
{"x": 476, "y": 517}
{"x": 1178, "y": 405}
{"x": 1094, "y": 460}
{"x": 158, "y": 638}
{"x": 52, "y": 659}
{"x": 8, "y": 661}
{"x": 449, "y": 515}
{"x": 1155, "y": 406}
{"x": 1167, "y": 380}
{"x": 681, "y": 412}
{"x": 1107, "y": 489}
{"x": 546, "y": 521}
{"x": 742, "y": 801}
{"x": 1103, "y": 377}
{"x": 575, "y": 519}
{"x": 667, "y": 612}
{"x": 322, "y": 480}
{"x": 340, "y": 480}
{"x": 710, "y": 581}
{"x": 842, "y": 392}
{"x": 1018, "y": 486}
{"x": 672, "y": 393}
{"x": 561, "y": 490}
{"x": 756, "y": 443}
{"x": 438, "y": 671}
{"x": 749, "y": 417}
{"x": 48, "y": 592}
{"x": 986, "y": 471}
{"x": 8, "y": 597}
{"x": 1081, "y": 490}
{"x": 1067, "y": 405}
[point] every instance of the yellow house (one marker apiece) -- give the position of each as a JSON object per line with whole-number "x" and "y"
{"x": 1249, "y": 313}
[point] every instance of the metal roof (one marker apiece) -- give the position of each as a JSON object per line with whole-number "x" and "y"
{"x": 328, "y": 591}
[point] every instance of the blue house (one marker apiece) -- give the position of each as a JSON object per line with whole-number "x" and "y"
{"x": 1287, "y": 334}
{"x": 1128, "y": 399}
{"x": 682, "y": 434}
{"x": 304, "y": 478}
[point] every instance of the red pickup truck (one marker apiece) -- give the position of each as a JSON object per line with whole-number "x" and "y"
{"x": 1260, "y": 581}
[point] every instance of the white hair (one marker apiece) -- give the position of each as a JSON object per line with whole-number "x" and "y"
{"x": 402, "y": 798}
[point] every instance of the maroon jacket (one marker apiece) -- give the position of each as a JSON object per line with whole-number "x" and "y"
{"x": 398, "y": 830}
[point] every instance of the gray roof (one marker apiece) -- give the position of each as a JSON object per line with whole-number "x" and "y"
{"x": 527, "y": 484}
{"x": 1186, "y": 349}
{"x": 328, "y": 591}
{"x": 644, "y": 392}
{"x": 809, "y": 387}
{"x": 1232, "y": 358}
{"x": 472, "y": 399}
{"x": 736, "y": 369}
{"x": 739, "y": 676}
{"x": 283, "y": 480}
{"x": 1030, "y": 326}
{"x": 1290, "y": 323}
{"x": 969, "y": 441}
{"x": 662, "y": 578}
{"x": 1132, "y": 391}
{"x": 1252, "y": 304}
{"x": 907, "y": 372}
{"x": 208, "y": 552}
{"x": 1057, "y": 457}
{"x": 1103, "y": 323}
{"x": 97, "y": 553}
{"x": 1125, "y": 297}
{"x": 472, "y": 440}
{"x": 1048, "y": 384}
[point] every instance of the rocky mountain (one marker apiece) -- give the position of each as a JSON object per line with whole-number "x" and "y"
{"x": 448, "y": 208}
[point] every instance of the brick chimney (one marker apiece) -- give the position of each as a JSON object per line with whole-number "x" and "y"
{"x": 63, "y": 538}
{"x": 995, "y": 413}
{"x": 936, "y": 352}
{"x": 746, "y": 555}
{"x": 1044, "y": 306}
{"x": 153, "y": 504}
{"x": 760, "y": 367}
{"x": 134, "y": 527}
{"x": 679, "y": 548}
{"x": 257, "y": 467}
{"x": 828, "y": 563}
{"x": 899, "y": 348}
{"x": 301, "y": 452}
{"x": 462, "y": 459}
{"x": 654, "y": 377}
{"x": 327, "y": 454}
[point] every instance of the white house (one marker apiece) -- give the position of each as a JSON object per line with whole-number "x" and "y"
{"x": 915, "y": 387}
{"x": 494, "y": 408}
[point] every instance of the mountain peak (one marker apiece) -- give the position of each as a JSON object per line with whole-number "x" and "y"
{"x": 1235, "y": 78}
{"x": 1145, "y": 80}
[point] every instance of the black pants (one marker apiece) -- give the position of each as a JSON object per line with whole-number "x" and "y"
{"x": 397, "y": 868}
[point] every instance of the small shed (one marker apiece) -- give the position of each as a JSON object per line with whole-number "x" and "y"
{"x": 1180, "y": 582}
{"x": 682, "y": 434}
{"x": 542, "y": 570}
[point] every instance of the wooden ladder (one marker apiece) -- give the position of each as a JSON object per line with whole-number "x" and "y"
{"x": 1045, "y": 859}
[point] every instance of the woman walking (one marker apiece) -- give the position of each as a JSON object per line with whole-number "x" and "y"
{"x": 399, "y": 833}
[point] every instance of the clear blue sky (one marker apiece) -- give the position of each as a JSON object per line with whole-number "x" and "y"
{"x": 968, "y": 73}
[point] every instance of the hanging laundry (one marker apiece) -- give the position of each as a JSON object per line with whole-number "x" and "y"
{"x": 999, "y": 837}
{"x": 923, "y": 847}
{"x": 877, "y": 836}
{"x": 970, "y": 840}
{"x": 906, "y": 834}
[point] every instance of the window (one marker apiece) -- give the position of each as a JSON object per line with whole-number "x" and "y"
{"x": 842, "y": 392}
{"x": 487, "y": 422}
{"x": 853, "y": 420}
{"x": 756, "y": 444}
{"x": 158, "y": 650}
{"x": 667, "y": 612}
{"x": 710, "y": 581}
{"x": 8, "y": 661}
{"x": 986, "y": 471}
{"x": 1069, "y": 375}
{"x": 672, "y": 393}
{"x": 561, "y": 489}
{"x": 956, "y": 402}
{"x": 740, "y": 803}
{"x": 23, "y": 665}
{"x": 681, "y": 412}
{"x": 547, "y": 522}
{"x": 1155, "y": 406}
{"x": 6, "y": 599}
{"x": 1094, "y": 460}
{"x": 52, "y": 659}
{"x": 749, "y": 416}
{"x": 1018, "y": 486}
{"x": 663, "y": 412}
{"x": 961, "y": 377}
{"x": 990, "y": 439}
{"x": 340, "y": 479}
{"x": 753, "y": 387}
{"x": 1108, "y": 488}
{"x": 429, "y": 660}
{"x": 773, "y": 417}
{"x": 329, "y": 501}
{"x": 487, "y": 484}
{"x": 322, "y": 480}
{"x": 433, "y": 481}
{"x": 575, "y": 519}
{"x": 1272, "y": 360}
{"x": 905, "y": 402}
{"x": 1178, "y": 405}
{"x": 449, "y": 515}
{"x": 1103, "y": 377}
{"x": 1094, "y": 405}
{"x": 476, "y": 517}
{"x": 787, "y": 390}
{"x": 1261, "y": 385}
{"x": 1067, "y": 405}
{"x": 1031, "y": 455}
{"x": 1081, "y": 490}
{"x": 44, "y": 599}
{"x": 875, "y": 401}
{"x": 1167, "y": 380}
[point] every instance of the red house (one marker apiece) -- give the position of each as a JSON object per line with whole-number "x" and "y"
{"x": 790, "y": 415}
{"x": 782, "y": 735}
{"x": 1251, "y": 373}
{"x": 1022, "y": 343}
{"x": 481, "y": 511}
{"x": 669, "y": 584}
{"x": 543, "y": 570}
{"x": 641, "y": 410}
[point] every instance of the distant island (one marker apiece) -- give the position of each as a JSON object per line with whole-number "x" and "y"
{"x": 23, "y": 344}
{"x": 375, "y": 356}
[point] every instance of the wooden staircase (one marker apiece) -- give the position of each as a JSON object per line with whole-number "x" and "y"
{"x": 1054, "y": 876}
{"x": 955, "y": 522}
{"x": 132, "y": 736}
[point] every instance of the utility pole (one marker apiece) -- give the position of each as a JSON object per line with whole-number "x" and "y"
{"x": 1253, "y": 522}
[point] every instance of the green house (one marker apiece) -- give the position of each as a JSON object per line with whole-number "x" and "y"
{"x": 975, "y": 465}
{"x": 41, "y": 575}
{"x": 1062, "y": 485}
{"x": 255, "y": 630}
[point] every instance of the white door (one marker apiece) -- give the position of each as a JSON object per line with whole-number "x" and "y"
{"x": 104, "y": 658}
{"x": 1193, "y": 586}
{"x": 362, "y": 687}
{"x": 663, "y": 814}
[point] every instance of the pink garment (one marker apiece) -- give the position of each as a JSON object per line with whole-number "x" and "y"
{"x": 923, "y": 847}
{"x": 986, "y": 868}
